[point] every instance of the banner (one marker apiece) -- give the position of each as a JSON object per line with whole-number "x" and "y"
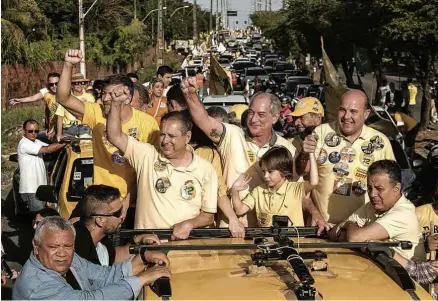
{"x": 219, "y": 82}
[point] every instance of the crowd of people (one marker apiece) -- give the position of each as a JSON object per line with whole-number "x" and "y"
{"x": 162, "y": 160}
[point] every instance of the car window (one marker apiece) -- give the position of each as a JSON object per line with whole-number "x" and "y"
{"x": 59, "y": 171}
{"x": 255, "y": 72}
{"x": 80, "y": 178}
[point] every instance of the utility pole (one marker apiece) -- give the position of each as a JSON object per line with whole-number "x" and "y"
{"x": 195, "y": 33}
{"x": 160, "y": 36}
{"x": 135, "y": 9}
{"x": 211, "y": 16}
{"x": 217, "y": 15}
{"x": 82, "y": 16}
{"x": 270, "y": 5}
{"x": 266, "y": 5}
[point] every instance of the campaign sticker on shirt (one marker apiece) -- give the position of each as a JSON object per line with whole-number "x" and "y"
{"x": 348, "y": 154}
{"x": 341, "y": 169}
{"x": 366, "y": 159}
{"x": 162, "y": 184}
{"x": 377, "y": 142}
{"x": 188, "y": 191}
{"x": 334, "y": 157}
{"x": 159, "y": 166}
{"x": 322, "y": 157}
{"x": 117, "y": 158}
{"x": 342, "y": 186}
{"x": 251, "y": 156}
{"x": 133, "y": 132}
{"x": 163, "y": 105}
{"x": 77, "y": 175}
{"x": 264, "y": 219}
{"x": 332, "y": 140}
{"x": 359, "y": 188}
{"x": 367, "y": 148}
{"x": 360, "y": 174}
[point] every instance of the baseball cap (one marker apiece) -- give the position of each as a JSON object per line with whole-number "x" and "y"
{"x": 308, "y": 105}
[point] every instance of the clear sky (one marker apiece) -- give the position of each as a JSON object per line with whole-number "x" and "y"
{"x": 243, "y": 7}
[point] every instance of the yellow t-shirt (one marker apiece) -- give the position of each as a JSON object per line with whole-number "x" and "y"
{"x": 67, "y": 118}
{"x": 85, "y": 97}
{"x": 400, "y": 222}
{"x": 168, "y": 195}
{"x": 412, "y": 94}
{"x": 110, "y": 168}
{"x": 287, "y": 200}
{"x": 51, "y": 105}
{"x": 428, "y": 220}
{"x": 342, "y": 169}
{"x": 405, "y": 120}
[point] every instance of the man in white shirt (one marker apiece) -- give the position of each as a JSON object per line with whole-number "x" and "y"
{"x": 32, "y": 169}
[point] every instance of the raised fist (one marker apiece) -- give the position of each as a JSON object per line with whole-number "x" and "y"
{"x": 73, "y": 56}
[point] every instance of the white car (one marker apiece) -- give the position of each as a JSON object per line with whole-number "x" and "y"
{"x": 225, "y": 101}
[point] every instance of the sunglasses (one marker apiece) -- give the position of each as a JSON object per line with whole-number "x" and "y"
{"x": 33, "y": 131}
{"x": 52, "y": 84}
{"x": 78, "y": 83}
{"x": 116, "y": 214}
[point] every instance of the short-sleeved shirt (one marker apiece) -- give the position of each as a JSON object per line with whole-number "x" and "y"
{"x": 412, "y": 94}
{"x": 158, "y": 108}
{"x": 110, "y": 168}
{"x": 343, "y": 167}
{"x": 68, "y": 119}
{"x": 239, "y": 152}
{"x": 428, "y": 220}
{"x": 31, "y": 163}
{"x": 405, "y": 120}
{"x": 52, "y": 106}
{"x": 168, "y": 195}
{"x": 287, "y": 200}
{"x": 400, "y": 222}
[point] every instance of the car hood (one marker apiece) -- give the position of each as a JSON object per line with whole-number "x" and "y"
{"x": 222, "y": 275}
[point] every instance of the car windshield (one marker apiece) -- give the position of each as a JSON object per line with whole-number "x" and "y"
{"x": 224, "y": 61}
{"x": 243, "y": 65}
{"x": 80, "y": 178}
{"x": 255, "y": 72}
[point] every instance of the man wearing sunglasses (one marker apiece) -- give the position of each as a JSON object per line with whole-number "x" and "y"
{"x": 32, "y": 169}
{"x": 49, "y": 95}
{"x": 102, "y": 215}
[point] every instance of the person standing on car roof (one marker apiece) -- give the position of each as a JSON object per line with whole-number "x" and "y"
{"x": 109, "y": 166}
{"x": 30, "y": 161}
{"x": 176, "y": 188}
{"x": 344, "y": 150}
{"x": 241, "y": 149}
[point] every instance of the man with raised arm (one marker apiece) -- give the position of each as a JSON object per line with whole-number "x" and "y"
{"x": 110, "y": 168}
{"x": 240, "y": 148}
{"x": 176, "y": 188}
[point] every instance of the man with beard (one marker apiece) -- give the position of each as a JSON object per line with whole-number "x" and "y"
{"x": 103, "y": 215}
{"x": 110, "y": 167}
{"x": 344, "y": 150}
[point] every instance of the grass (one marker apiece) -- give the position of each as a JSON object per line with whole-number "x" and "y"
{"x": 11, "y": 127}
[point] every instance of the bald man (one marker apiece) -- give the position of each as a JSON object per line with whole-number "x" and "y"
{"x": 344, "y": 150}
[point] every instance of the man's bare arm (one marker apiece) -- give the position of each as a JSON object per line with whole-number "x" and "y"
{"x": 119, "y": 96}
{"x": 63, "y": 94}
{"x": 51, "y": 148}
{"x": 31, "y": 98}
{"x": 210, "y": 126}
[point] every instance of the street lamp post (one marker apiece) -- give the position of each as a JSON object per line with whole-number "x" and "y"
{"x": 82, "y": 16}
{"x": 185, "y": 6}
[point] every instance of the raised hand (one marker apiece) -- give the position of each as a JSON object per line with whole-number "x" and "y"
{"x": 189, "y": 87}
{"x": 121, "y": 94}
{"x": 73, "y": 56}
{"x": 309, "y": 144}
{"x": 242, "y": 182}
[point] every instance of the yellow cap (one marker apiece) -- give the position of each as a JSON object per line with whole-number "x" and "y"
{"x": 308, "y": 105}
{"x": 238, "y": 109}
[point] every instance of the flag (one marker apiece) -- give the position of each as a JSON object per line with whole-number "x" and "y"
{"x": 219, "y": 82}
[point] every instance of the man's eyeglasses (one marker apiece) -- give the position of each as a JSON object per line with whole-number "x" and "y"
{"x": 52, "y": 84}
{"x": 116, "y": 214}
{"x": 33, "y": 131}
{"x": 78, "y": 83}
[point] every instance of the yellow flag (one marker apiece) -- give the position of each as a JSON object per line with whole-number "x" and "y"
{"x": 219, "y": 82}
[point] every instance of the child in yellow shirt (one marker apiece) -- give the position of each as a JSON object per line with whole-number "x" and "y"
{"x": 278, "y": 195}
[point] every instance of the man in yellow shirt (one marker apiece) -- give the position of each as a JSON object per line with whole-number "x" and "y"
{"x": 389, "y": 215}
{"x": 110, "y": 167}
{"x": 176, "y": 188}
{"x": 79, "y": 84}
{"x": 344, "y": 150}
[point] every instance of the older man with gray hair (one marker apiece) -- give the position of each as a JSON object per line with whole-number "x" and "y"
{"x": 55, "y": 272}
